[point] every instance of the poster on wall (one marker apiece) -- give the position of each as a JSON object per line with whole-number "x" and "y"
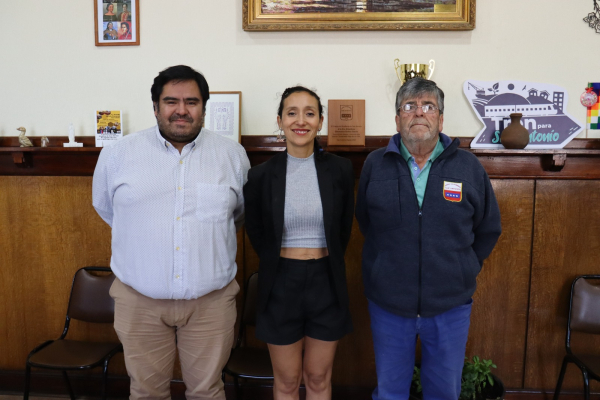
{"x": 108, "y": 127}
{"x": 543, "y": 107}
{"x": 223, "y": 114}
{"x": 117, "y": 22}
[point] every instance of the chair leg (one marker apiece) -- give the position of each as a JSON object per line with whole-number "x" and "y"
{"x": 105, "y": 378}
{"x": 563, "y": 369}
{"x": 27, "y": 382}
{"x": 586, "y": 385}
{"x": 238, "y": 388}
{"x": 68, "y": 384}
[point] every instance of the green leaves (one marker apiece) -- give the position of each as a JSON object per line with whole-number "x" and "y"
{"x": 476, "y": 376}
{"x": 417, "y": 380}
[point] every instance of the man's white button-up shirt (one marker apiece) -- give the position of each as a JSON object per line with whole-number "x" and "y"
{"x": 174, "y": 216}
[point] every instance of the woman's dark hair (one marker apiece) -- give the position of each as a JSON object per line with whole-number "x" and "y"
{"x": 287, "y": 92}
{"x": 109, "y": 24}
{"x": 318, "y": 150}
{"x": 179, "y": 73}
{"x": 108, "y": 5}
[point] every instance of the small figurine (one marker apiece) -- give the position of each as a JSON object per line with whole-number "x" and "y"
{"x": 24, "y": 140}
{"x": 45, "y": 141}
{"x": 72, "y": 142}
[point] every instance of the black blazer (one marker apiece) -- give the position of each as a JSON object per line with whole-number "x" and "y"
{"x": 264, "y": 196}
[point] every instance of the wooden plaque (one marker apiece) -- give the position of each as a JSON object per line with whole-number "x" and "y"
{"x": 346, "y": 123}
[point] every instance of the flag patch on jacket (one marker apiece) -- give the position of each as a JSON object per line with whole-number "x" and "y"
{"x": 452, "y": 191}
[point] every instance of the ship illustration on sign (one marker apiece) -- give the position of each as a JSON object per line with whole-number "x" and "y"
{"x": 542, "y": 105}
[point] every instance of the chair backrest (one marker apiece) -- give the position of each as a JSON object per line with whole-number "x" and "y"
{"x": 249, "y": 312}
{"x": 584, "y": 315}
{"x": 90, "y": 301}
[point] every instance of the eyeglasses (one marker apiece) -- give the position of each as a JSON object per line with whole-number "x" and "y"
{"x": 412, "y": 108}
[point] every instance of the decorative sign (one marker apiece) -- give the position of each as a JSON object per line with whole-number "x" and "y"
{"x": 346, "y": 123}
{"x": 223, "y": 111}
{"x": 108, "y": 127}
{"x": 543, "y": 107}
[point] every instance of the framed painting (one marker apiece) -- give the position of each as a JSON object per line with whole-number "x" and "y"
{"x": 117, "y": 22}
{"x": 224, "y": 114}
{"x": 333, "y": 15}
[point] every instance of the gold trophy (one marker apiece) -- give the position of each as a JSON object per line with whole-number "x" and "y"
{"x": 409, "y": 71}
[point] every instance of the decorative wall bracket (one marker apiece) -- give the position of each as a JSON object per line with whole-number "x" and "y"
{"x": 21, "y": 160}
{"x": 554, "y": 162}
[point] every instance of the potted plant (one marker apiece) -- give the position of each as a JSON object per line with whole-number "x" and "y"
{"x": 478, "y": 382}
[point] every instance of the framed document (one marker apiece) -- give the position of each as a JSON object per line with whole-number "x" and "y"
{"x": 117, "y": 22}
{"x": 224, "y": 114}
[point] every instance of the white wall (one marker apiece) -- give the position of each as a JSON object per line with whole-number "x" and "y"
{"x": 52, "y": 74}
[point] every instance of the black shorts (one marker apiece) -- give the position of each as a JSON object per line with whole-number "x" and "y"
{"x": 302, "y": 303}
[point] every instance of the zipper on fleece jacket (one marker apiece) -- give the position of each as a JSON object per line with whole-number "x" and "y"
{"x": 420, "y": 263}
{"x": 420, "y": 214}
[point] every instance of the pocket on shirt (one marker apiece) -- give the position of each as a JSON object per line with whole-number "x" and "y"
{"x": 212, "y": 202}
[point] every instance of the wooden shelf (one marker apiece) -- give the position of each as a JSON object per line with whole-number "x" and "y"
{"x": 580, "y": 159}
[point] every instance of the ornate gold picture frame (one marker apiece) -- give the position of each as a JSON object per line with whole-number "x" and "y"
{"x": 329, "y": 15}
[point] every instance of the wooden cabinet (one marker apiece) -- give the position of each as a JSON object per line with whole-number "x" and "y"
{"x": 550, "y": 205}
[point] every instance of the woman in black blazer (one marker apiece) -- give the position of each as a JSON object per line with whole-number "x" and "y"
{"x": 299, "y": 210}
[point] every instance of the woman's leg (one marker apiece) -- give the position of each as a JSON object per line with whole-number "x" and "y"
{"x": 318, "y": 362}
{"x": 287, "y": 370}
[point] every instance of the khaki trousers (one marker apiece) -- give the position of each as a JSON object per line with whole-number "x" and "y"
{"x": 151, "y": 330}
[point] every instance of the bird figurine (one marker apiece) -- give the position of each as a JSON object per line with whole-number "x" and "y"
{"x": 24, "y": 140}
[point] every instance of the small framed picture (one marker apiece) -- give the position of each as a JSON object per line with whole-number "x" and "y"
{"x": 224, "y": 114}
{"x": 117, "y": 22}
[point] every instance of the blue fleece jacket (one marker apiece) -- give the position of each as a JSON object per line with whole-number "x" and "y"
{"x": 424, "y": 261}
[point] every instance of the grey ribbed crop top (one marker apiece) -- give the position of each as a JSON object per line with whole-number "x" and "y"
{"x": 303, "y": 215}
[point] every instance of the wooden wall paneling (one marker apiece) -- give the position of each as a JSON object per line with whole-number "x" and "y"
{"x": 499, "y": 314}
{"x": 354, "y": 364}
{"x": 566, "y": 243}
{"x": 250, "y": 266}
{"x": 49, "y": 229}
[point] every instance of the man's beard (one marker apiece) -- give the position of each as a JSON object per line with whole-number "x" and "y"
{"x": 172, "y": 133}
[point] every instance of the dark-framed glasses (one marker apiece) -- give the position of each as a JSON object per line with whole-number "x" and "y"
{"x": 412, "y": 108}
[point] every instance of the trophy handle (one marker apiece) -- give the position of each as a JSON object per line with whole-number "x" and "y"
{"x": 431, "y": 68}
{"x": 397, "y": 68}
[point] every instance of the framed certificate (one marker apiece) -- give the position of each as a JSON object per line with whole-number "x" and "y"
{"x": 223, "y": 114}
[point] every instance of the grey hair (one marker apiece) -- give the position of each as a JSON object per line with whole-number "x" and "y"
{"x": 416, "y": 87}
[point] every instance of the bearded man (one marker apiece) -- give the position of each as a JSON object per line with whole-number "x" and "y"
{"x": 173, "y": 196}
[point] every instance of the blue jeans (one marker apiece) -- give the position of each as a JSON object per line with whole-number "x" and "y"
{"x": 443, "y": 344}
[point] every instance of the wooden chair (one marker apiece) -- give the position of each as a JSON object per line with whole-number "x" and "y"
{"x": 90, "y": 302}
{"x": 584, "y": 316}
{"x": 248, "y": 362}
